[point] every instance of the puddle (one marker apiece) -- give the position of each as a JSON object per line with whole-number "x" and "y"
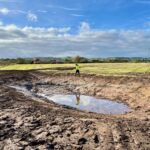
{"x": 89, "y": 103}
{"x": 29, "y": 86}
{"x": 81, "y": 102}
{"x": 22, "y": 89}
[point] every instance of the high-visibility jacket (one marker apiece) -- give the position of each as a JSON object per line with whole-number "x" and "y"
{"x": 77, "y": 67}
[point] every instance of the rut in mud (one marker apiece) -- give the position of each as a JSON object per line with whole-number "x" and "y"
{"x": 33, "y": 123}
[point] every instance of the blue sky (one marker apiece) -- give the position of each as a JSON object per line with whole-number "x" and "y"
{"x": 91, "y": 28}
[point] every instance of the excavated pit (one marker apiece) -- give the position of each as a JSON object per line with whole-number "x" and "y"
{"x": 72, "y": 99}
{"x": 29, "y": 121}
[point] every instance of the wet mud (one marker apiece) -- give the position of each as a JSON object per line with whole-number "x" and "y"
{"x": 29, "y": 123}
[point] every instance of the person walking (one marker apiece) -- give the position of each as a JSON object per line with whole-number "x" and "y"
{"x": 77, "y": 70}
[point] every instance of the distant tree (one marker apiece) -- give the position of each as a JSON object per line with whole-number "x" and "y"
{"x": 67, "y": 60}
{"x": 95, "y": 61}
{"x": 20, "y": 61}
{"x": 77, "y": 59}
{"x": 27, "y": 61}
{"x": 36, "y": 61}
{"x": 136, "y": 61}
{"x": 84, "y": 60}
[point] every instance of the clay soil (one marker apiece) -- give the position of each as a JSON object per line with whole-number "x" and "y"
{"x": 33, "y": 123}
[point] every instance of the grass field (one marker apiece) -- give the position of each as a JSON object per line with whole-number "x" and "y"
{"x": 95, "y": 68}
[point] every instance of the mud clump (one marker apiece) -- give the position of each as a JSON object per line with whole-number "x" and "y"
{"x": 27, "y": 123}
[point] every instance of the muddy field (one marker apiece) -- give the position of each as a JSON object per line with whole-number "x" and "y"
{"x": 34, "y": 123}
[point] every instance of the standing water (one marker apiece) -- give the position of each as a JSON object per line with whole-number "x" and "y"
{"x": 78, "y": 101}
{"x": 89, "y": 103}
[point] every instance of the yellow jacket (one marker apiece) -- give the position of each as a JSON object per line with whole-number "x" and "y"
{"x": 77, "y": 67}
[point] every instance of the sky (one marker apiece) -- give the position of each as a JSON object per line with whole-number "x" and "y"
{"x": 89, "y": 28}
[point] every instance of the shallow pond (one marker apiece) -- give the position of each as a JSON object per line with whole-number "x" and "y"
{"x": 81, "y": 102}
{"x": 89, "y": 103}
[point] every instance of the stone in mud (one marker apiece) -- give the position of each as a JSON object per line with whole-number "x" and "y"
{"x": 58, "y": 147}
{"x": 85, "y": 130}
{"x": 55, "y": 129}
{"x": 53, "y": 123}
{"x": 50, "y": 138}
{"x": 23, "y": 144}
{"x": 2, "y": 123}
{"x": 37, "y": 123}
{"x": 16, "y": 140}
{"x": 28, "y": 148}
{"x": 35, "y": 132}
{"x": 69, "y": 120}
{"x": 58, "y": 120}
{"x": 68, "y": 147}
{"x": 42, "y": 135}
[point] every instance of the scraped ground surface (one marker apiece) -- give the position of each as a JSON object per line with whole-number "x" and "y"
{"x": 29, "y": 123}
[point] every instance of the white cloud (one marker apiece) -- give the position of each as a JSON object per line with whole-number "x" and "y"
{"x": 4, "y": 11}
{"x": 10, "y": 27}
{"x": 84, "y": 27}
{"x": 18, "y": 12}
{"x": 64, "y": 8}
{"x": 31, "y": 42}
{"x": 42, "y": 11}
{"x": 32, "y": 17}
{"x": 77, "y": 15}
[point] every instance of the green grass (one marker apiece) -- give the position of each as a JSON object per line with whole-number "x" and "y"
{"x": 95, "y": 68}
{"x": 32, "y": 66}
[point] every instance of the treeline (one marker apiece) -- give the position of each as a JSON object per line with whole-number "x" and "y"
{"x": 77, "y": 59}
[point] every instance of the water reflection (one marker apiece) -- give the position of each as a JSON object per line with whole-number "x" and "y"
{"x": 90, "y": 104}
{"x": 29, "y": 86}
{"x": 79, "y": 101}
{"x": 77, "y": 98}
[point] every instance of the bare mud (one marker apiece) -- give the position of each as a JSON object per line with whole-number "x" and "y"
{"x": 34, "y": 123}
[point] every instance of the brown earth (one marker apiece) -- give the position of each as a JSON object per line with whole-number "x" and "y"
{"x": 28, "y": 123}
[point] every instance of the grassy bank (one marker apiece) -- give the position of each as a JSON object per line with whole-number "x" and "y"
{"x": 95, "y": 68}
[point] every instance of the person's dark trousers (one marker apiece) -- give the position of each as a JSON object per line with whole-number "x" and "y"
{"x": 77, "y": 72}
